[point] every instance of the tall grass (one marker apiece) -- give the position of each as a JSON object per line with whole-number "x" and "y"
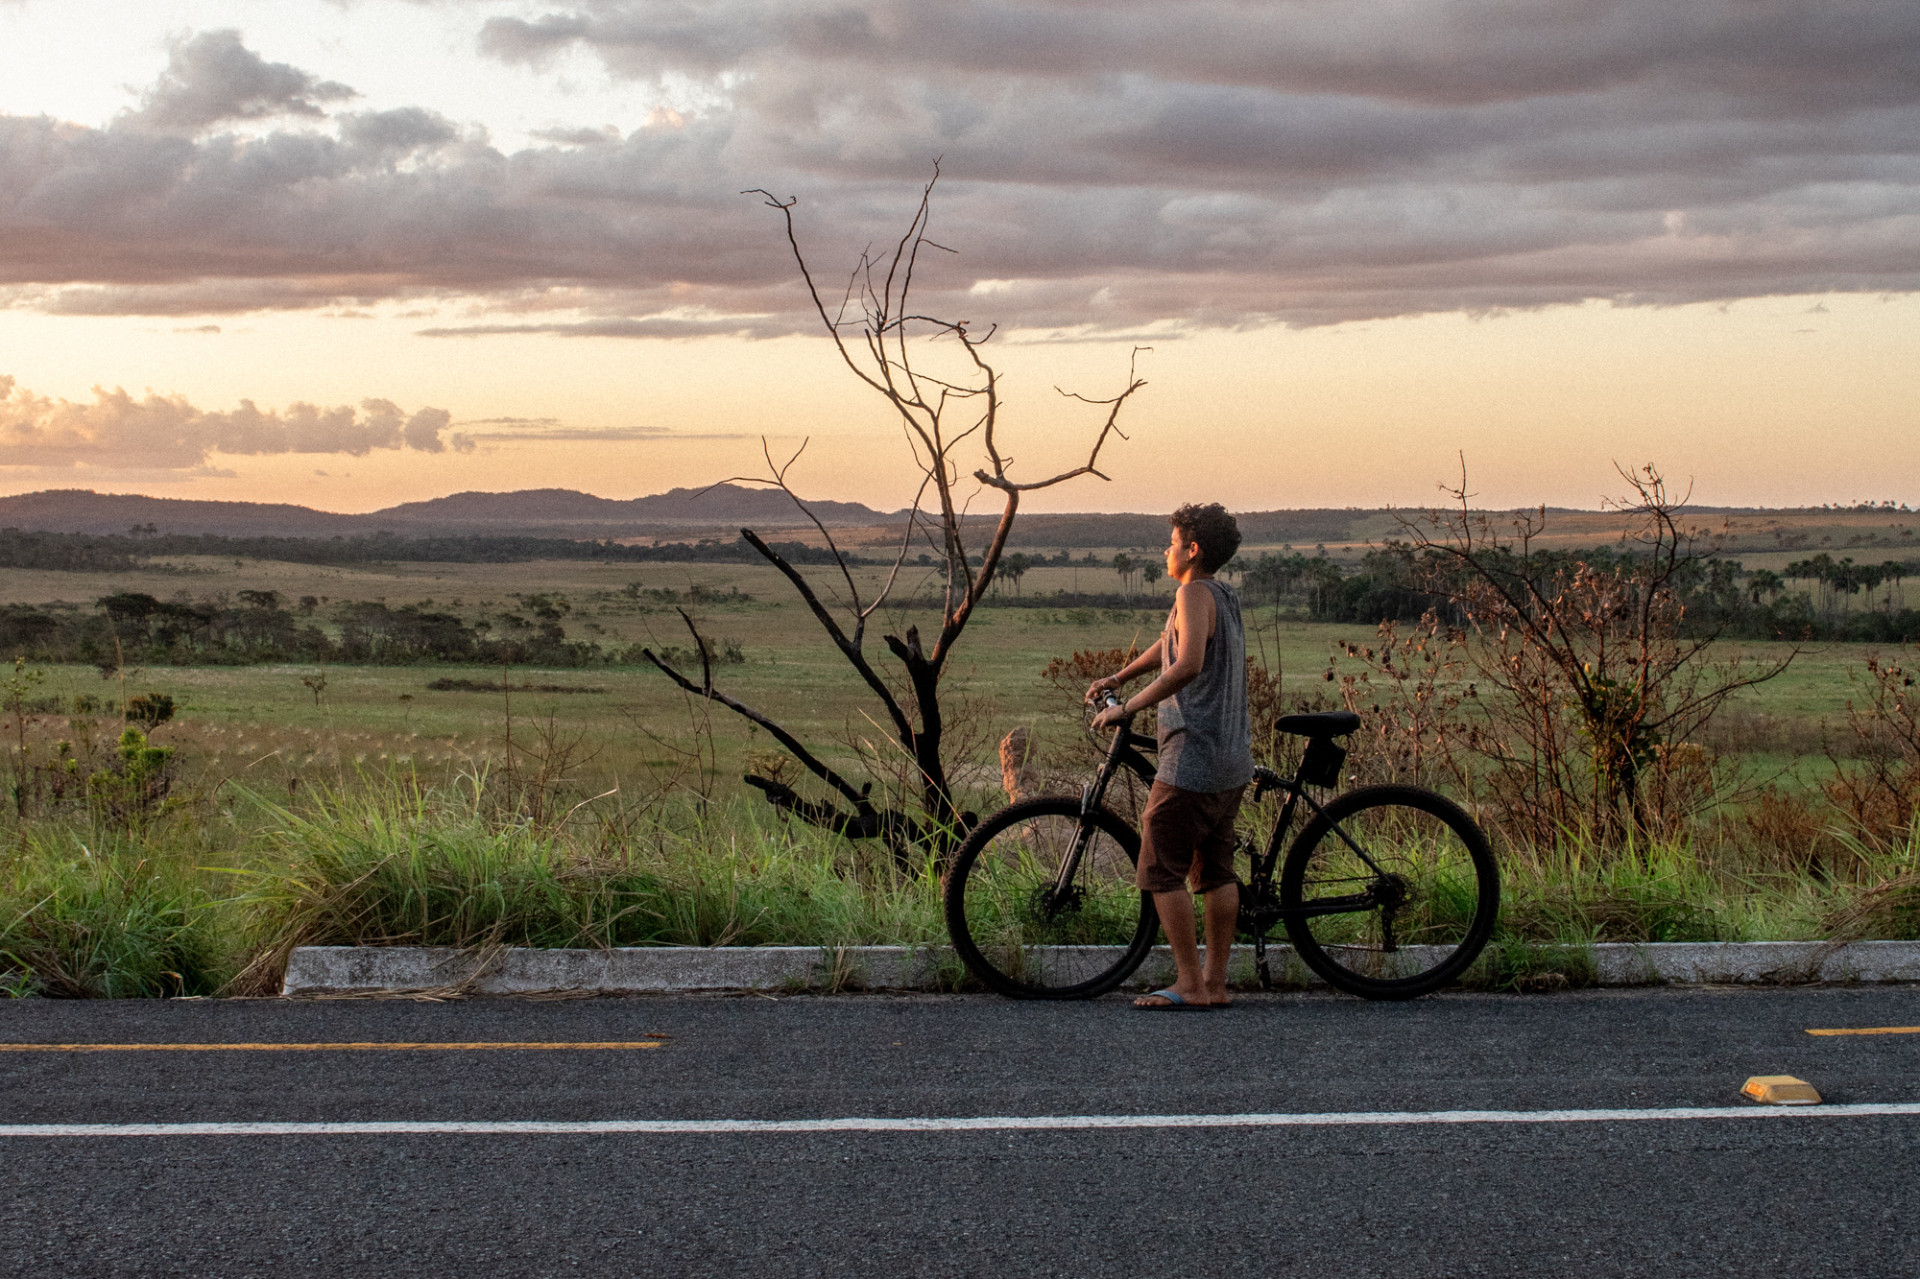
{"x": 1888, "y": 906}
{"x": 212, "y": 899}
{"x": 400, "y": 864}
{"x": 97, "y": 913}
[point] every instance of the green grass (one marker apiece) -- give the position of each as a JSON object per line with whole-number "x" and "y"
{"x": 355, "y": 817}
{"x": 92, "y": 914}
{"x": 257, "y": 722}
{"x": 431, "y": 867}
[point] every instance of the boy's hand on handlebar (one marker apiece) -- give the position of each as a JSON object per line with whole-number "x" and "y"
{"x": 1101, "y": 687}
{"x": 1113, "y": 711}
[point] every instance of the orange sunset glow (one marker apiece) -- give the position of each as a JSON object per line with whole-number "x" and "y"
{"x": 353, "y": 255}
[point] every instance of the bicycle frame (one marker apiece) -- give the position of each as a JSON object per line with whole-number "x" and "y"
{"x": 1125, "y": 753}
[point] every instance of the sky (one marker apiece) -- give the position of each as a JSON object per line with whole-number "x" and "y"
{"x": 349, "y": 253}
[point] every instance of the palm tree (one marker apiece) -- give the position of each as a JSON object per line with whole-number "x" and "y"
{"x": 1014, "y": 567}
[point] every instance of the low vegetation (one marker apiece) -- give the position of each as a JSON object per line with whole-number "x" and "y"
{"x": 196, "y": 793}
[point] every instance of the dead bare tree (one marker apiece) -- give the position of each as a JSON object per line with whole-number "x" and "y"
{"x": 888, "y": 346}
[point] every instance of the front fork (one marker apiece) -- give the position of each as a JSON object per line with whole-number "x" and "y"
{"x": 1091, "y": 796}
{"x": 1070, "y": 864}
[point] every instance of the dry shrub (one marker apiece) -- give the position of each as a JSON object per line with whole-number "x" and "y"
{"x": 1411, "y": 695}
{"x": 1749, "y": 732}
{"x": 1887, "y": 910}
{"x": 1062, "y": 766}
{"x": 1071, "y": 675}
{"x": 1681, "y": 786}
{"x": 1590, "y": 699}
{"x": 1789, "y": 831}
{"x": 1878, "y": 791}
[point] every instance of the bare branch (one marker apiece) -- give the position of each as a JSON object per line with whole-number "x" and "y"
{"x": 848, "y": 648}
{"x": 780, "y": 734}
{"x": 786, "y": 211}
{"x": 906, "y": 540}
{"x": 997, "y": 479}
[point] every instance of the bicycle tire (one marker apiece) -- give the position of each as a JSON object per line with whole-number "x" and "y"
{"x": 1445, "y": 879}
{"x": 997, "y": 923}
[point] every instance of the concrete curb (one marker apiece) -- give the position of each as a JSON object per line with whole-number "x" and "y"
{"x": 369, "y": 970}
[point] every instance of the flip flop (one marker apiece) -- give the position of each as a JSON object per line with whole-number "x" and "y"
{"x": 1176, "y": 1003}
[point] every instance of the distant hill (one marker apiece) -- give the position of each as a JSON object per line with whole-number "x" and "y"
{"x": 681, "y": 514}
{"x": 1257, "y": 528}
{"x": 550, "y": 511}
{"x": 553, "y": 508}
{"x": 84, "y": 511}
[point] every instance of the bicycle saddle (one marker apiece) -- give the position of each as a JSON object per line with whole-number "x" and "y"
{"x": 1323, "y": 724}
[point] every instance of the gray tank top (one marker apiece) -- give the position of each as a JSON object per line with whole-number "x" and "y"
{"x": 1206, "y": 737}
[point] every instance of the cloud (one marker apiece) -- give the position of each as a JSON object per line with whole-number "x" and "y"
{"x": 1438, "y": 52}
{"x": 168, "y": 434}
{"x": 553, "y": 430}
{"x": 212, "y": 78}
{"x": 1109, "y": 167}
{"x": 590, "y": 434}
{"x": 579, "y": 137}
{"x": 646, "y": 326}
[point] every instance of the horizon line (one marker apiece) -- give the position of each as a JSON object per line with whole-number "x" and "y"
{"x": 1861, "y": 507}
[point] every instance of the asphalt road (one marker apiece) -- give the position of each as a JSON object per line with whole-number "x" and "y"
{"x": 1801, "y": 1196}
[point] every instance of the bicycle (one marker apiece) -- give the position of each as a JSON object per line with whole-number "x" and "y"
{"x": 1387, "y": 892}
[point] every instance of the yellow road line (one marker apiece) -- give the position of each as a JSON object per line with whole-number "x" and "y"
{"x": 269, "y": 1048}
{"x": 1870, "y": 1030}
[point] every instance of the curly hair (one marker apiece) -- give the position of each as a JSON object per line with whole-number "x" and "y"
{"x": 1213, "y": 528}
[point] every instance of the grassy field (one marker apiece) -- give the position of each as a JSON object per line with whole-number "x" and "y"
{"x": 266, "y": 719}
{"x": 345, "y": 803}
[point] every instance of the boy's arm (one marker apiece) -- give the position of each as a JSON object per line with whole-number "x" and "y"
{"x": 1151, "y": 660}
{"x": 1193, "y": 620}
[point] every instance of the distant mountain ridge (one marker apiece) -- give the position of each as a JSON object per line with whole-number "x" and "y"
{"x": 85, "y": 511}
{"x": 547, "y": 507}
{"x": 681, "y": 515}
{"x": 563, "y": 511}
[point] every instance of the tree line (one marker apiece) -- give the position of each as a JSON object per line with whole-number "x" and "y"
{"x": 131, "y": 627}
{"x": 120, "y": 552}
{"x": 1398, "y": 582}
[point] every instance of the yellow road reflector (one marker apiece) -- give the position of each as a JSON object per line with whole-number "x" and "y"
{"x": 1781, "y": 1090}
{"x": 1868, "y": 1030}
{"x": 284, "y": 1048}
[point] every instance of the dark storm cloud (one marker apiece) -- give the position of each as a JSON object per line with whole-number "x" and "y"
{"x": 1442, "y": 53}
{"x": 1109, "y": 166}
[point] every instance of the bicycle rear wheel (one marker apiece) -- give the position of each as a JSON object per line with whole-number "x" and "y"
{"x": 1023, "y": 937}
{"x": 1410, "y": 922}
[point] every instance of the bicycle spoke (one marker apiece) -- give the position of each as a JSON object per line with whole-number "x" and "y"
{"x": 1038, "y": 931}
{"x": 1396, "y": 887}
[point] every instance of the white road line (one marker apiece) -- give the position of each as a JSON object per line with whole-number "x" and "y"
{"x": 985, "y": 1123}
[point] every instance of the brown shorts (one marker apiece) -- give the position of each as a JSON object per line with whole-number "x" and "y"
{"x": 1187, "y": 833}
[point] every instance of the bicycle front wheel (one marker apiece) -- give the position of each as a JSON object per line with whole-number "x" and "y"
{"x": 1407, "y": 917}
{"x": 1029, "y": 935}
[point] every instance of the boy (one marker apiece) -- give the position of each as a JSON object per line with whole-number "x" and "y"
{"x": 1206, "y": 756}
